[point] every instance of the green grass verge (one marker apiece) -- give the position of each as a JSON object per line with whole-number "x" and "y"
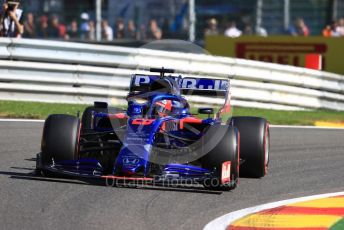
{"x": 277, "y": 117}
{"x": 34, "y": 110}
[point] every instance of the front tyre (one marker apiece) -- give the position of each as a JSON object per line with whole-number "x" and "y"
{"x": 60, "y": 140}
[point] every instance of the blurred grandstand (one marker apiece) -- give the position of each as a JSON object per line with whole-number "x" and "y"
{"x": 137, "y": 20}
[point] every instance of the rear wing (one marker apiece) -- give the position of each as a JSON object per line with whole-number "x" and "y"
{"x": 187, "y": 86}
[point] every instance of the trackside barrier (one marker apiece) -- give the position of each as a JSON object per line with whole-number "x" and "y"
{"x": 52, "y": 71}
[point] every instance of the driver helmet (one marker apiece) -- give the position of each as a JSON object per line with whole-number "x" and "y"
{"x": 163, "y": 108}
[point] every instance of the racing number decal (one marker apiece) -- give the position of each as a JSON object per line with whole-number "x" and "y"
{"x": 226, "y": 172}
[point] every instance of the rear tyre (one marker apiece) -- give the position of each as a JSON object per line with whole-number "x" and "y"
{"x": 60, "y": 139}
{"x": 227, "y": 149}
{"x": 86, "y": 119}
{"x": 254, "y": 145}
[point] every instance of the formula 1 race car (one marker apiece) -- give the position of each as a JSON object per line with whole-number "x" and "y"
{"x": 157, "y": 139}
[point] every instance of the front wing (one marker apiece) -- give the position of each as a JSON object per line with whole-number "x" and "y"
{"x": 172, "y": 175}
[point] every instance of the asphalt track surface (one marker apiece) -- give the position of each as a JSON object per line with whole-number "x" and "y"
{"x": 303, "y": 162}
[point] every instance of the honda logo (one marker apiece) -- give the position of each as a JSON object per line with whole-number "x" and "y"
{"x": 131, "y": 161}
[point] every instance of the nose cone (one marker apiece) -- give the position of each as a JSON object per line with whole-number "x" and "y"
{"x": 133, "y": 158}
{"x": 130, "y": 163}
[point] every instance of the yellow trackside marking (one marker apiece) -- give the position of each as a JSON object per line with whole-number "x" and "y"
{"x": 334, "y": 202}
{"x": 329, "y": 124}
{"x": 286, "y": 221}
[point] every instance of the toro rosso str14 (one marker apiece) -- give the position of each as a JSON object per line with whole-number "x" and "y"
{"x": 157, "y": 139}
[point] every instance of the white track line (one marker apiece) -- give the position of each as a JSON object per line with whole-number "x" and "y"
{"x": 272, "y": 126}
{"x": 224, "y": 221}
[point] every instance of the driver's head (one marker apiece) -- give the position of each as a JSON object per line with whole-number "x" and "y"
{"x": 163, "y": 108}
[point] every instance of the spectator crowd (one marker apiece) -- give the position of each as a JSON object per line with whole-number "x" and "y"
{"x": 45, "y": 27}
{"x": 231, "y": 30}
{"x": 83, "y": 28}
{"x": 335, "y": 29}
{"x": 298, "y": 28}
